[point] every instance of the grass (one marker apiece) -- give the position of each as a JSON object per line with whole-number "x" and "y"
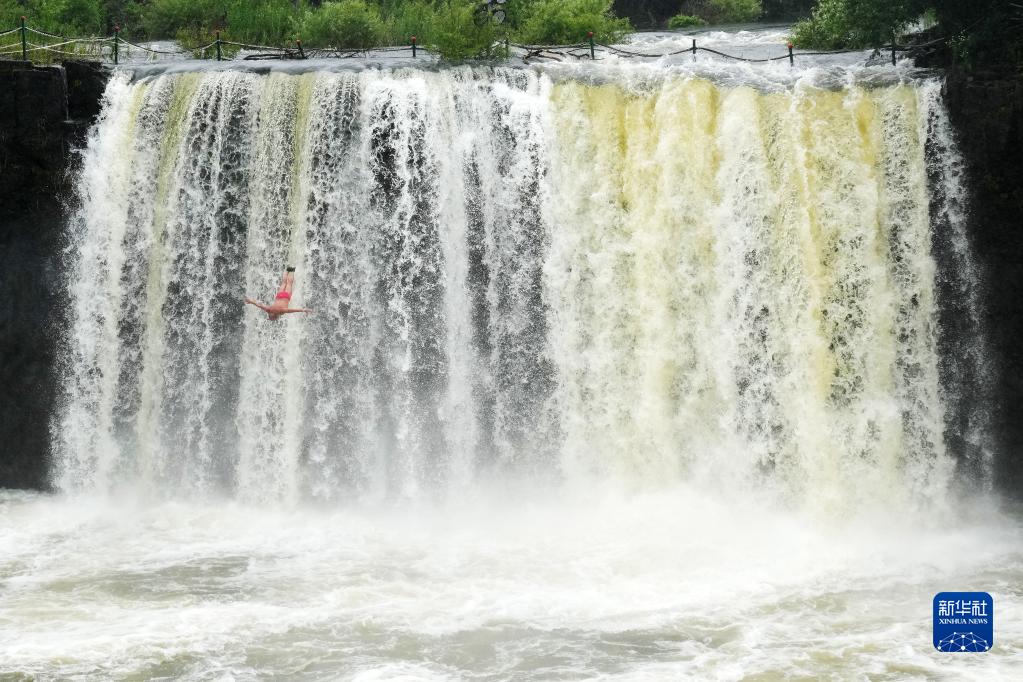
{"x": 451, "y": 27}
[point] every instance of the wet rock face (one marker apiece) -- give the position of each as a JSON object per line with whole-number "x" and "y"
{"x": 987, "y": 111}
{"x": 86, "y": 82}
{"x": 32, "y": 113}
{"x": 35, "y": 138}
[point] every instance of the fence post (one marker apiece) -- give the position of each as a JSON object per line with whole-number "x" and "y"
{"x": 117, "y": 39}
{"x": 24, "y": 47}
{"x": 413, "y": 46}
{"x": 218, "y": 45}
{"x": 694, "y": 47}
{"x": 592, "y": 52}
{"x": 792, "y": 62}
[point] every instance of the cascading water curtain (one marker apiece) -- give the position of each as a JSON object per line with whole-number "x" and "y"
{"x": 510, "y": 275}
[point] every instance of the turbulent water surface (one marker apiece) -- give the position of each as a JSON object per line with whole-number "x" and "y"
{"x": 651, "y": 586}
{"x": 632, "y": 371}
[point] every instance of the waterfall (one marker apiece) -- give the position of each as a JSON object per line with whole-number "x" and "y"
{"x": 514, "y": 272}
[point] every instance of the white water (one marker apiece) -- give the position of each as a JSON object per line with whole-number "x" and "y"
{"x": 632, "y": 373}
{"x": 654, "y": 586}
{"x": 510, "y": 273}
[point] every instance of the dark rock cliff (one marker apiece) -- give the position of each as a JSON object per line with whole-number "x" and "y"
{"x": 44, "y": 112}
{"x": 986, "y": 109}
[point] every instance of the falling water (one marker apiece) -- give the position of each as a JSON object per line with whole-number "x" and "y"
{"x": 511, "y": 271}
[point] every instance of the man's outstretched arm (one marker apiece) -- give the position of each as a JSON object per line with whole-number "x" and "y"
{"x": 257, "y": 304}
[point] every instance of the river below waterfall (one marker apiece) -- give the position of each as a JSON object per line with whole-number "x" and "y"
{"x": 497, "y": 586}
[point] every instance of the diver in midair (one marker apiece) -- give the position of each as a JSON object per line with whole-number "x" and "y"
{"x": 280, "y": 305}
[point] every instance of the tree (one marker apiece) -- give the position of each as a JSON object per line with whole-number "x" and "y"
{"x": 978, "y": 31}
{"x": 854, "y": 23}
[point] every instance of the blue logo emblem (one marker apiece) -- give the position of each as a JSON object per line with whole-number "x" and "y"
{"x": 964, "y": 622}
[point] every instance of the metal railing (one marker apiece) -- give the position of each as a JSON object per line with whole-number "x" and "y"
{"x": 115, "y": 48}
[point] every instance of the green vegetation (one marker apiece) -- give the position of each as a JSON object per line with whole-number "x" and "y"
{"x": 977, "y": 31}
{"x": 735, "y": 11}
{"x": 559, "y": 22}
{"x": 686, "y": 21}
{"x": 77, "y": 17}
{"x": 700, "y": 12}
{"x": 455, "y": 35}
{"x": 348, "y": 25}
{"x": 452, "y": 27}
{"x": 269, "y": 22}
{"x": 408, "y": 18}
{"x": 853, "y": 23}
{"x": 776, "y": 10}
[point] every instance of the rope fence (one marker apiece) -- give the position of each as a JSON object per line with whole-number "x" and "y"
{"x": 227, "y": 50}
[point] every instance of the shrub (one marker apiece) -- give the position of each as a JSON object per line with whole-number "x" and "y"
{"x": 11, "y": 12}
{"x": 719, "y": 12}
{"x": 76, "y": 17}
{"x": 874, "y": 21}
{"x": 826, "y": 29}
{"x": 406, "y": 19}
{"x": 255, "y": 21}
{"x": 267, "y": 22}
{"x": 685, "y": 21}
{"x": 166, "y": 18}
{"x": 556, "y": 22}
{"x": 735, "y": 11}
{"x": 344, "y": 25}
{"x": 837, "y": 24}
{"x": 66, "y": 17}
{"x": 125, "y": 13}
{"x": 448, "y": 26}
{"x": 456, "y": 36}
